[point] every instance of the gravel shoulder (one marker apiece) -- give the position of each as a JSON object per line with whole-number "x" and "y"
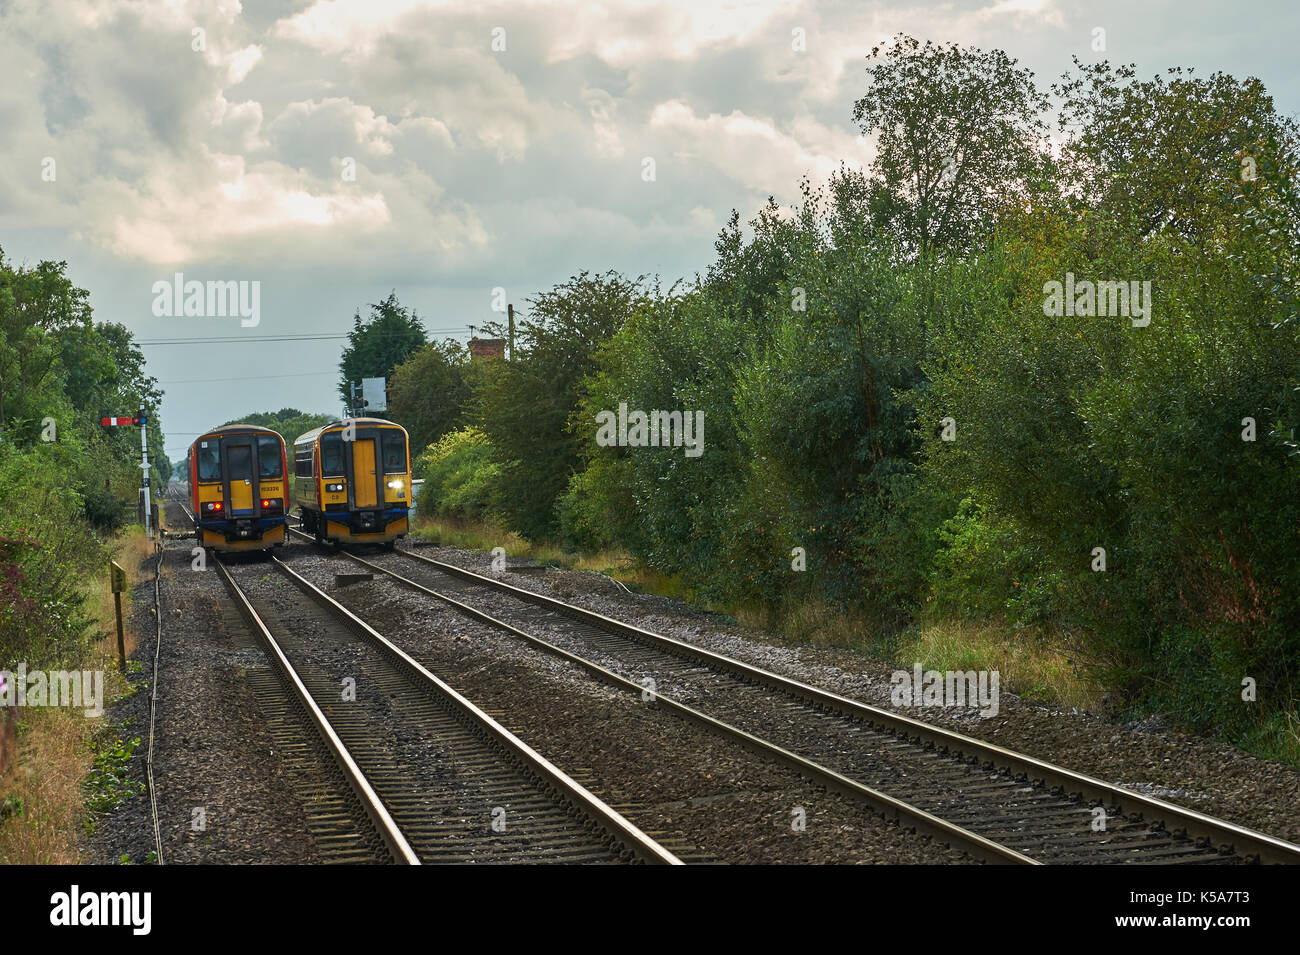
{"x": 223, "y": 793}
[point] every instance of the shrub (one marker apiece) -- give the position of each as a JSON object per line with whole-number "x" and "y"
{"x": 459, "y": 473}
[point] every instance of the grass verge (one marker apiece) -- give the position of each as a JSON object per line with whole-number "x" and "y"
{"x": 485, "y": 535}
{"x": 68, "y": 764}
{"x": 1038, "y": 667}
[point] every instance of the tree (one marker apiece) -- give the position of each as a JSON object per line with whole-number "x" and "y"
{"x": 104, "y": 374}
{"x": 959, "y": 134}
{"x": 375, "y": 347}
{"x": 288, "y": 422}
{"x": 429, "y": 393}
{"x": 526, "y": 406}
{"x": 35, "y": 306}
{"x": 1189, "y": 141}
{"x": 57, "y": 364}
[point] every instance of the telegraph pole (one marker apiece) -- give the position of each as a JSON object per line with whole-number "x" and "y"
{"x": 510, "y": 313}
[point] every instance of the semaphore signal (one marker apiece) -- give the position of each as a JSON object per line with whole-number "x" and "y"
{"x": 141, "y": 418}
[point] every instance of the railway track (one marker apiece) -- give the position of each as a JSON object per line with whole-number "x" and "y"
{"x": 997, "y": 804}
{"x": 333, "y": 812}
{"x": 438, "y": 779}
{"x": 153, "y": 711}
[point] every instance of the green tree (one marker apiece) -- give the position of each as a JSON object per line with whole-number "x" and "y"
{"x": 959, "y": 134}
{"x": 376, "y": 346}
{"x": 1088, "y": 431}
{"x": 289, "y": 422}
{"x": 36, "y": 304}
{"x": 429, "y": 393}
{"x": 526, "y": 405}
{"x": 60, "y": 373}
{"x": 1190, "y": 142}
{"x": 682, "y": 350}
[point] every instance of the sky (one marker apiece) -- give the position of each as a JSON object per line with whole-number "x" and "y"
{"x": 327, "y": 152}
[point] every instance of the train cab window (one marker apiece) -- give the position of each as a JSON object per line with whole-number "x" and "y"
{"x": 394, "y": 450}
{"x": 331, "y": 455}
{"x": 209, "y": 462}
{"x": 268, "y": 457}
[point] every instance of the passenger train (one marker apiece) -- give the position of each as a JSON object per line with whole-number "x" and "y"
{"x": 352, "y": 481}
{"x": 238, "y": 487}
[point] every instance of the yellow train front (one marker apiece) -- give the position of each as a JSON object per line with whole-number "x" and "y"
{"x": 238, "y": 488}
{"x": 352, "y": 481}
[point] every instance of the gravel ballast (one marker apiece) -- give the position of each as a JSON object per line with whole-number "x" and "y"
{"x": 223, "y": 793}
{"x": 701, "y": 795}
{"x": 1204, "y": 775}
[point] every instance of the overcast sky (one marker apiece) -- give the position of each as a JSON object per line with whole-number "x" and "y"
{"x": 475, "y": 167}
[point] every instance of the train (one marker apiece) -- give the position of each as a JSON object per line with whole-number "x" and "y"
{"x": 238, "y": 488}
{"x": 352, "y": 481}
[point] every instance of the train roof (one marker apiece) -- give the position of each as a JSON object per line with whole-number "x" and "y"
{"x": 315, "y": 433}
{"x": 237, "y": 429}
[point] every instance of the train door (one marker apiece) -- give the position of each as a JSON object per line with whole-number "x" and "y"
{"x": 241, "y": 477}
{"x": 363, "y": 473}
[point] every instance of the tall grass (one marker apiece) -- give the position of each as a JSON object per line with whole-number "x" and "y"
{"x": 42, "y": 796}
{"x": 484, "y": 535}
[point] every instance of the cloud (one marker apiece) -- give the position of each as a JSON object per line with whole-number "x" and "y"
{"x": 752, "y": 150}
{"x": 475, "y": 166}
{"x": 1044, "y": 11}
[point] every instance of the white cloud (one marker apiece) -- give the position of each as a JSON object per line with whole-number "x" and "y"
{"x": 175, "y": 222}
{"x": 1044, "y": 11}
{"x": 351, "y": 27}
{"x": 752, "y": 150}
{"x": 240, "y": 63}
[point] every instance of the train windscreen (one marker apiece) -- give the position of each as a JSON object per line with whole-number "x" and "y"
{"x": 394, "y": 448}
{"x": 268, "y": 457}
{"x": 331, "y": 455}
{"x": 209, "y": 461}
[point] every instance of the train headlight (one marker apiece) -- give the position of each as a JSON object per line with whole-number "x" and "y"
{"x": 333, "y": 488}
{"x": 396, "y": 485}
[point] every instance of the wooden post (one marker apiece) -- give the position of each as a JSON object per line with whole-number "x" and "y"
{"x": 8, "y": 734}
{"x": 117, "y": 577}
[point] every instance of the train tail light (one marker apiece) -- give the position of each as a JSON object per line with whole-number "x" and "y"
{"x": 211, "y": 508}
{"x": 273, "y": 505}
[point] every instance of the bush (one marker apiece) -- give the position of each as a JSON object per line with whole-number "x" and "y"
{"x": 984, "y": 569}
{"x": 46, "y": 552}
{"x": 459, "y": 474}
